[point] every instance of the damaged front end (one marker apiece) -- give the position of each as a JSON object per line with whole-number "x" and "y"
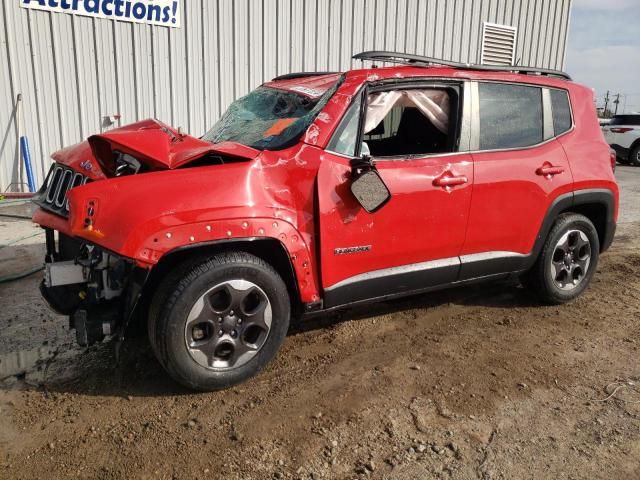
{"x": 119, "y": 208}
{"x": 95, "y": 288}
{"x": 89, "y": 276}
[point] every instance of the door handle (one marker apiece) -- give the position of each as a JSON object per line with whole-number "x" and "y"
{"x": 549, "y": 170}
{"x": 447, "y": 180}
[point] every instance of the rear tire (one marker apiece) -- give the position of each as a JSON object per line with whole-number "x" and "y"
{"x": 221, "y": 322}
{"x": 567, "y": 262}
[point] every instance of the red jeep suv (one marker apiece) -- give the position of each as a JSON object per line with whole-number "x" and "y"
{"x": 321, "y": 190}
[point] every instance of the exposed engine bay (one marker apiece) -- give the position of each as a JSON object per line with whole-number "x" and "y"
{"x": 96, "y": 288}
{"x": 88, "y": 284}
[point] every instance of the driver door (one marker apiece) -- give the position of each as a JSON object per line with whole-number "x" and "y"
{"x": 411, "y": 243}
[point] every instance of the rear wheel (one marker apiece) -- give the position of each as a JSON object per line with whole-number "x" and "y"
{"x": 221, "y": 322}
{"x": 567, "y": 262}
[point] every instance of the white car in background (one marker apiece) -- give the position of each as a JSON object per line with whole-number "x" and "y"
{"x": 623, "y": 134}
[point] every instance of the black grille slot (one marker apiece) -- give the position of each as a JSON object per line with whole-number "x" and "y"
{"x": 52, "y": 195}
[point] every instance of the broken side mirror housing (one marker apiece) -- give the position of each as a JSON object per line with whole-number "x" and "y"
{"x": 367, "y": 186}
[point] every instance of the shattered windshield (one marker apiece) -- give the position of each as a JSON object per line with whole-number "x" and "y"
{"x": 268, "y": 118}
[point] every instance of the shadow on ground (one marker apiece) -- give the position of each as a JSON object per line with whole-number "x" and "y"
{"x": 129, "y": 368}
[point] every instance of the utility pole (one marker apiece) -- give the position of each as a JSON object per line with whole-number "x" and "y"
{"x": 606, "y": 103}
{"x": 617, "y": 101}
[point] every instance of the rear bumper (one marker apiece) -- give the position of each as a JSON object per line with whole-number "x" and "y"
{"x": 621, "y": 152}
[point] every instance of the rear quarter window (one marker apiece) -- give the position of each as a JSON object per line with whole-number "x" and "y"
{"x": 561, "y": 111}
{"x": 510, "y": 116}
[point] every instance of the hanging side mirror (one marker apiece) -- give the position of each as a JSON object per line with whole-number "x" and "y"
{"x": 367, "y": 186}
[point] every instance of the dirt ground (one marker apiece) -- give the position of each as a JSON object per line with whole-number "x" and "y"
{"x": 469, "y": 383}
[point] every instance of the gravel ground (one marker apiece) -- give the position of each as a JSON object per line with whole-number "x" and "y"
{"x": 468, "y": 383}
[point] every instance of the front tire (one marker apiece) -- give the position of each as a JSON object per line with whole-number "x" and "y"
{"x": 567, "y": 262}
{"x": 221, "y": 322}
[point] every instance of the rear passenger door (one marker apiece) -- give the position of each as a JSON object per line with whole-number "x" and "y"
{"x": 519, "y": 168}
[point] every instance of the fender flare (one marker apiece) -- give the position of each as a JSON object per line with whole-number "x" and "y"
{"x": 567, "y": 201}
{"x": 182, "y": 237}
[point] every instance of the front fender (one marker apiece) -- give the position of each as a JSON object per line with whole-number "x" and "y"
{"x": 144, "y": 217}
{"x": 168, "y": 239}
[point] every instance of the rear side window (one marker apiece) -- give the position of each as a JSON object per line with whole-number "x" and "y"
{"x": 510, "y": 116}
{"x": 561, "y": 111}
{"x": 625, "y": 120}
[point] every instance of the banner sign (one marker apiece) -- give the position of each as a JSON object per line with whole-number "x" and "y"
{"x": 154, "y": 12}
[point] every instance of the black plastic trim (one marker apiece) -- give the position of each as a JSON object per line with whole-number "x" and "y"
{"x": 474, "y": 266}
{"x": 396, "y": 281}
{"x": 621, "y": 151}
{"x": 604, "y": 197}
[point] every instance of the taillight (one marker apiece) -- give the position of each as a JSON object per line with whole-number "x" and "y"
{"x": 613, "y": 156}
{"x": 621, "y": 129}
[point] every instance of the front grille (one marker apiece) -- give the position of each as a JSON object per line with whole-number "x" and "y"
{"x": 52, "y": 195}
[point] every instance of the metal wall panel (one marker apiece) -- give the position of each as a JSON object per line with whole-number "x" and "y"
{"x": 74, "y": 71}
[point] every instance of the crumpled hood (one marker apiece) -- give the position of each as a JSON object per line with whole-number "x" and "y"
{"x": 156, "y": 145}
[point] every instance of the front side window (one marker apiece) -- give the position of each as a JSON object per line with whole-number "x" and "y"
{"x": 268, "y": 118}
{"x": 561, "y": 111}
{"x": 408, "y": 122}
{"x": 510, "y": 116}
{"x": 398, "y": 123}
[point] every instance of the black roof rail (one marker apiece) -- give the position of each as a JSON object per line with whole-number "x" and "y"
{"x": 419, "y": 60}
{"x": 289, "y": 76}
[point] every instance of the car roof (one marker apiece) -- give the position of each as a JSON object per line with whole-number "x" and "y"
{"x": 314, "y": 84}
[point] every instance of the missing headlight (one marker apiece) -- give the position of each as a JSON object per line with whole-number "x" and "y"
{"x": 125, "y": 164}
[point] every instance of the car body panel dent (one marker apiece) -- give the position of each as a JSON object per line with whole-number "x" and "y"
{"x": 172, "y": 209}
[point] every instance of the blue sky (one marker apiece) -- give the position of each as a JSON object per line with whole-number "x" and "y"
{"x": 604, "y": 48}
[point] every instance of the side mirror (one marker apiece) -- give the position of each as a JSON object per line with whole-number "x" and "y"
{"x": 369, "y": 189}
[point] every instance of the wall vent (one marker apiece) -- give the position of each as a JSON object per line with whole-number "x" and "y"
{"x": 498, "y": 44}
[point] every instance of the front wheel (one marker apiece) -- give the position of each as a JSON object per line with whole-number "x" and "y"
{"x": 222, "y": 322}
{"x": 567, "y": 262}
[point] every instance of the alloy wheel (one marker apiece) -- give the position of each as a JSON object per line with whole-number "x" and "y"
{"x": 228, "y": 325}
{"x": 570, "y": 260}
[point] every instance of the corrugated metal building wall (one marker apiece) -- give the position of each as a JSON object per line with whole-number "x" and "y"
{"x": 73, "y": 71}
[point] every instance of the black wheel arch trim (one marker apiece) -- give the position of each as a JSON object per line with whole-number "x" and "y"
{"x": 567, "y": 201}
{"x": 228, "y": 244}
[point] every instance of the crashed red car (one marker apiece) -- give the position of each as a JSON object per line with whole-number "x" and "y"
{"x": 321, "y": 190}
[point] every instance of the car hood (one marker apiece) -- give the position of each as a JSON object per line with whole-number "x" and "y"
{"x": 156, "y": 145}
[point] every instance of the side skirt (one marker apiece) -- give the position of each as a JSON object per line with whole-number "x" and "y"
{"x": 423, "y": 277}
